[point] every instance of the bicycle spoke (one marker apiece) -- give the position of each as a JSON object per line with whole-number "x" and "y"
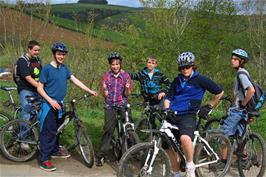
{"x": 252, "y": 156}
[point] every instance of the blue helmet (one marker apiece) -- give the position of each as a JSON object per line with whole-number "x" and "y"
{"x": 59, "y": 46}
{"x": 185, "y": 59}
{"x": 241, "y": 54}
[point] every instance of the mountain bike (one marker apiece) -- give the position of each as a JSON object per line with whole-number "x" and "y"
{"x": 249, "y": 147}
{"x": 145, "y": 122}
{"x": 5, "y": 117}
{"x": 124, "y": 136}
{"x": 149, "y": 119}
{"x": 150, "y": 159}
{"x": 18, "y": 132}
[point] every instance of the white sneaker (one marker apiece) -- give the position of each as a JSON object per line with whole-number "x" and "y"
{"x": 25, "y": 146}
{"x": 191, "y": 171}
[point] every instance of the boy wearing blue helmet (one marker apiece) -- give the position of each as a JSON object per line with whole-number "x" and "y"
{"x": 52, "y": 87}
{"x": 237, "y": 111}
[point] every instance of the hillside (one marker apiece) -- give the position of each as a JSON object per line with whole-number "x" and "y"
{"x": 108, "y": 21}
{"x": 19, "y": 26}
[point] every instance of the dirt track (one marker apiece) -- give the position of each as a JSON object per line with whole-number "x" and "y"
{"x": 71, "y": 167}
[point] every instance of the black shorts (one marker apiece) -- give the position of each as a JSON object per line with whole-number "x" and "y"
{"x": 186, "y": 124}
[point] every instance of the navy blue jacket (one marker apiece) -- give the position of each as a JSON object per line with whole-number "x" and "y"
{"x": 185, "y": 96}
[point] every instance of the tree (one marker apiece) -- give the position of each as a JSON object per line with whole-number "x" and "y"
{"x": 164, "y": 22}
{"x": 255, "y": 10}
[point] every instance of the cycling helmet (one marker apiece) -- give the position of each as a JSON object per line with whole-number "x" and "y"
{"x": 185, "y": 59}
{"x": 241, "y": 54}
{"x": 59, "y": 46}
{"x": 114, "y": 55}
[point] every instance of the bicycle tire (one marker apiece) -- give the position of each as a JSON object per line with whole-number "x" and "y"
{"x": 85, "y": 147}
{"x": 130, "y": 140}
{"x": 215, "y": 141}
{"x": 131, "y": 163}
{"x": 13, "y": 139}
{"x": 4, "y": 118}
{"x": 116, "y": 148}
{"x": 212, "y": 124}
{"x": 248, "y": 166}
{"x": 142, "y": 124}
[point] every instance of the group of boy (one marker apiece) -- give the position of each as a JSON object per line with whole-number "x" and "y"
{"x": 184, "y": 96}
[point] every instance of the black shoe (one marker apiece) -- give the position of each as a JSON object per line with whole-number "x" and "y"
{"x": 99, "y": 161}
{"x": 217, "y": 166}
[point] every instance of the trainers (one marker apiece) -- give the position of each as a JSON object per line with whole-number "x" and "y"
{"x": 47, "y": 166}
{"x": 217, "y": 166}
{"x": 25, "y": 146}
{"x": 191, "y": 171}
{"x": 99, "y": 161}
{"x": 62, "y": 153}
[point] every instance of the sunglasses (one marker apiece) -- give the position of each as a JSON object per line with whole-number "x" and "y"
{"x": 184, "y": 67}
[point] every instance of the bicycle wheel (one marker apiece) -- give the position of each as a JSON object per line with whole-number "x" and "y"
{"x": 143, "y": 124}
{"x": 4, "y": 118}
{"x": 252, "y": 156}
{"x": 130, "y": 140}
{"x": 132, "y": 162}
{"x": 19, "y": 140}
{"x": 213, "y": 124}
{"x": 116, "y": 148}
{"x": 85, "y": 147}
{"x": 204, "y": 156}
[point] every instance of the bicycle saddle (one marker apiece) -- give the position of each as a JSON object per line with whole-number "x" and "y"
{"x": 33, "y": 99}
{"x": 8, "y": 88}
{"x": 253, "y": 114}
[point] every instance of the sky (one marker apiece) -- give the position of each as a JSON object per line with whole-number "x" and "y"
{"x": 130, "y": 3}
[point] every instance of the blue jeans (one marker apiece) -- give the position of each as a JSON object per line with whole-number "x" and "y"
{"x": 231, "y": 123}
{"x": 25, "y": 105}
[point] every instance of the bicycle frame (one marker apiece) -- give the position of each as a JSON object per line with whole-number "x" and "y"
{"x": 122, "y": 127}
{"x": 165, "y": 131}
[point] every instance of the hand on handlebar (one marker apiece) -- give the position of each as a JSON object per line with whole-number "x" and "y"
{"x": 204, "y": 111}
{"x": 161, "y": 95}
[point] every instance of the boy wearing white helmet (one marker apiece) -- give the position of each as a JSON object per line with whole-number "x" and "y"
{"x": 184, "y": 97}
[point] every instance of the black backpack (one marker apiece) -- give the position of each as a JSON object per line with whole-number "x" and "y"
{"x": 258, "y": 99}
{"x": 16, "y": 77}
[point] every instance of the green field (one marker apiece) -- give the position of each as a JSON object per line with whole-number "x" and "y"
{"x": 103, "y": 21}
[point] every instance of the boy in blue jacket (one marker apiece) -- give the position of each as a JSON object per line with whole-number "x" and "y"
{"x": 154, "y": 84}
{"x": 184, "y": 98}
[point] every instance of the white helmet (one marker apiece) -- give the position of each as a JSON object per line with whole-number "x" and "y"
{"x": 185, "y": 59}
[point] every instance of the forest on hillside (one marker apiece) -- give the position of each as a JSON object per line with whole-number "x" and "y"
{"x": 164, "y": 28}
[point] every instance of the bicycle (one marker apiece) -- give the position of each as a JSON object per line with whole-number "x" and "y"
{"x": 249, "y": 147}
{"x": 145, "y": 122}
{"x": 150, "y": 159}
{"x": 5, "y": 117}
{"x": 20, "y": 131}
{"x": 124, "y": 136}
{"x": 148, "y": 119}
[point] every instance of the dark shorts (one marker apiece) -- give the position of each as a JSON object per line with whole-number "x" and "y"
{"x": 186, "y": 125}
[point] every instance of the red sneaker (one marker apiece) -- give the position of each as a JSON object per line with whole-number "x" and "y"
{"x": 47, "y": 166}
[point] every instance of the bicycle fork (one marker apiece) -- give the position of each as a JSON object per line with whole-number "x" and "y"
{"x": 155, "y": 152}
